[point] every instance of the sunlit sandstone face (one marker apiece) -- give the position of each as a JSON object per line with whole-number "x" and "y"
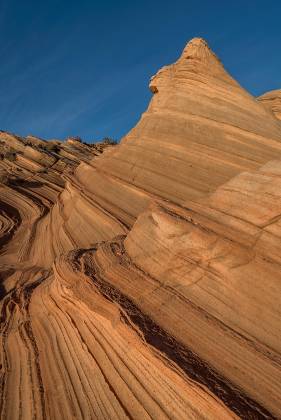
{"x": 272, "y": 101}
{"x": 144, "y": 281}
{"x": 201, "y": 128}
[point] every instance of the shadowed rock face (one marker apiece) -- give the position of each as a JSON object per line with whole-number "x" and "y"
{"x": 272, "y": 101}
{"x": 144, "y": 281}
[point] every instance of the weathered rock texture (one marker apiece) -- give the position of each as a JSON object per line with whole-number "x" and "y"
{"x": 144, "y": 282}
{"x": 272, "y": 100}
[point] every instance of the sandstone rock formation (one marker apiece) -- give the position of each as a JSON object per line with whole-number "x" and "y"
{"x": 272, "y": 100}
{"x": 144, "y": 281}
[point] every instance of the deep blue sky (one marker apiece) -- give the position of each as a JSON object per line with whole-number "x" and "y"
{"x": 82, "y": 67}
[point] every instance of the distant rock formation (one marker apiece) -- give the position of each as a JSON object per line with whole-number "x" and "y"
{"x": 142, "y": 280}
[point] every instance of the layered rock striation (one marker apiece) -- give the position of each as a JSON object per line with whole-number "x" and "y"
{"x": 144, "y": 281}
{"x": 272, "y": 101}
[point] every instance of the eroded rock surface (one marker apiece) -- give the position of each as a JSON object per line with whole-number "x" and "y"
{"x": 144, "y": 281}
{"x": 272, "y": 101}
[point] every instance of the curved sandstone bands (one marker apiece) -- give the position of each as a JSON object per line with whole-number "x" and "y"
{"x": 125, "y": 201}
{"x": 201, "y": 129}
{"x": 36, "y": 155}
{"x": 12, "y": 140}
{"x": 166, "y": 320}
{"x": 226, "y": 290}
{"x": 25, "y": 213}
{"x": 32, "y": 178}
{"x": 24, "y": 208}
{"x": 113, "y": 380}
{"x": 9, "y": 220}
{"x": 75, "y": 221}
{"x": 272, "y": 101}
{"x": 80, "y": 356}
{"x": 39, "y": 156}
{"x": 144, "y": 283}
{"x": 201, "y": 86}
{"x": 20, "y": 381}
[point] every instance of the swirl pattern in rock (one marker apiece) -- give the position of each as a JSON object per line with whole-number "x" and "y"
{"x": 143, "y": 280}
